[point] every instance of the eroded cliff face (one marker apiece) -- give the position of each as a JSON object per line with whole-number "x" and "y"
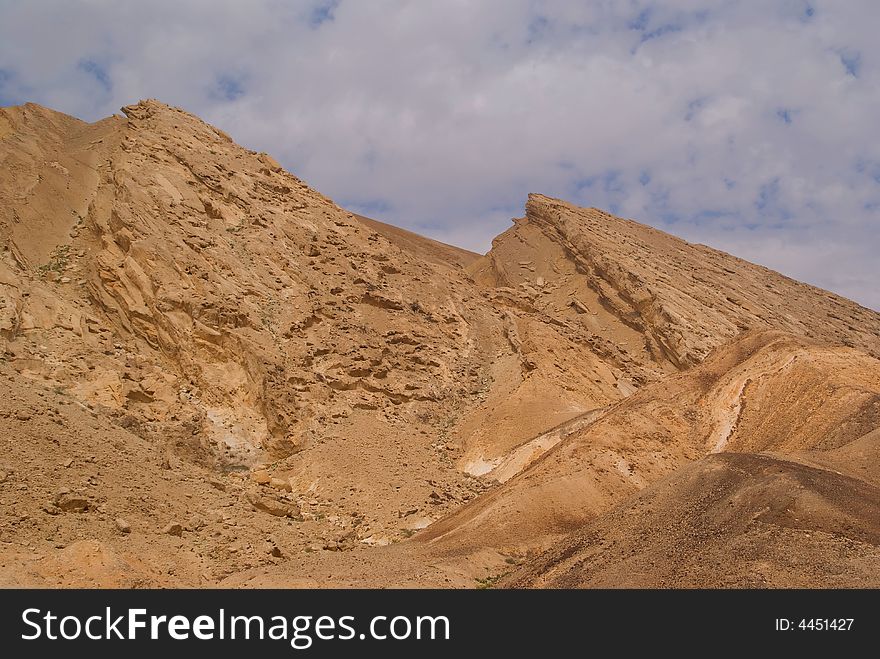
{"x": 263, "y": 293}
{"x": 248, "y": 290}
{"x": 661, "y": 300}
{"x": 260, "y": 350}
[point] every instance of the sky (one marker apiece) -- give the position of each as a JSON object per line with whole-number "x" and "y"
{"x": 750, "y": 126}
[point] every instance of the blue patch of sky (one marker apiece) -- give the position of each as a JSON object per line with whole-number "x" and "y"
{"x": 584, "y": 183}
{"x": 582, "y": 30}
{"x": 694, "y": 107}
{"x": 701, "y": 16}
{"x": 768, "y": 194}
{"x": 323, "y": 13}
{"x": 660, "y": 198}
{"x": 709, "y": 214}
{"x": 852, "y": 62}
{"x": 663, "y": 30}
{"x": 640, "y": 22}
{"x": 229, "y": 87}
{"x": 499, "y": 41}
{"x": 431, "y": 227}
{"x": 609, "y": 181}
{"x": 98, "y": 72}
{"x": 645, "y": 177}
{"x": 768, "y": 201}
{"x": 785, "y": 115}
{"x": 870, "y": 168}
{"x": 643, "y": 23}
{"x": 510, "y": 209}
{"x": 369, "y": 158}
{"x": 537, "y": 29}
{"x": 661, "y": 207}
{"x": 606, "y": 189}
{"x": 809, "y": 12}
{"x": 778, "y": 226}
{"x": 7, "y": 97}
{"x": 612, "y": 182}
{"x": 729, "y": 183}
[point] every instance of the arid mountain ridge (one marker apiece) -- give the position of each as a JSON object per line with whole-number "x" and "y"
{"x": 218, "y": 376}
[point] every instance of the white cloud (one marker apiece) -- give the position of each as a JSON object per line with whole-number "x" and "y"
{"x": 745, "y": 125}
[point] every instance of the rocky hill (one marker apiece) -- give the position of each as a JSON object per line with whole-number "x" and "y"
{"x": 204, "y": 354}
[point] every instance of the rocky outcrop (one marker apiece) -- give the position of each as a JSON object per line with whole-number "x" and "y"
{"x": 683, "y": 299}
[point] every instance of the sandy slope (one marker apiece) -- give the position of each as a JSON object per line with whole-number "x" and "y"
{"x": 766, "y": 391}
{"x": 729, "y": 520}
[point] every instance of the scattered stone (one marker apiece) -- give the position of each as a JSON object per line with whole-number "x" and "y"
{"x": 195, "y": 523}
{"x": 173, "y": 529}
{"x": 69, "y": 502}
{"x": 280, "y": 484}
{"x": 272, "y": 506}
{"x": 261, "y": 477}
{"x": 376, "y": 541}
{"x": 579, "y": 306}
{"x": 215, "y": 515}
{"x": 272, "y": 547}
{"x": 122, "y": 526}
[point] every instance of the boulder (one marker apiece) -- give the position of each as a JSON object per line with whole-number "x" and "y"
{"x": 71, "y": 502}
{"x": 272, "y": 505}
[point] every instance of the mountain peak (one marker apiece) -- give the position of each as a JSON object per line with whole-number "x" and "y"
{"x": 148, "y": 107}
